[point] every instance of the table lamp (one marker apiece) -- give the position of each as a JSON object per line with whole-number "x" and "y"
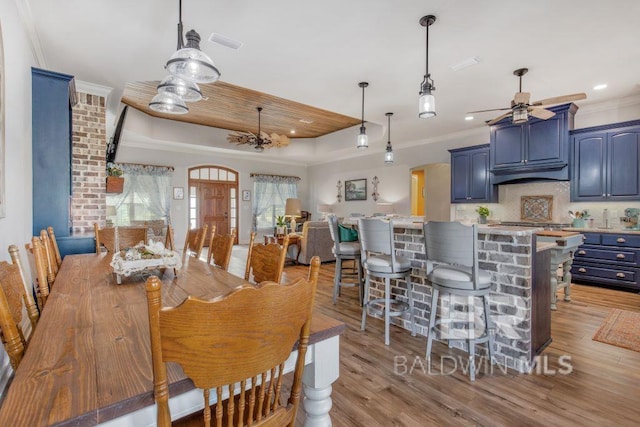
{"x": 324, "y": 209}
{"x": 111, "y": 212}
{"x": 292, "y": 210}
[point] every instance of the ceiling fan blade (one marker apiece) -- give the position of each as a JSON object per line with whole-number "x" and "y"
{"x": 522, "y": 98}
{"x": 497, "y": 119}
{"x": 541, "y": 113}
{"x": 484, "y": 111}
{"x": 560, "y": 99}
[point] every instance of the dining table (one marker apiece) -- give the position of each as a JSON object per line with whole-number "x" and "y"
{"x": 89, "y": 360}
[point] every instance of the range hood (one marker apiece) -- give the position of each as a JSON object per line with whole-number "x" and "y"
{"x": 531, "y": 151}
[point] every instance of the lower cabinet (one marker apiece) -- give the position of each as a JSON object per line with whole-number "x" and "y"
{"x": 608, "y": 259}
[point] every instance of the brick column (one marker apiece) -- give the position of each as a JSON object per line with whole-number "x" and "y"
{"x": 88, "y": 162}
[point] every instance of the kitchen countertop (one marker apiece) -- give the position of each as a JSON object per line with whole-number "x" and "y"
{"x": 603, "y": 230}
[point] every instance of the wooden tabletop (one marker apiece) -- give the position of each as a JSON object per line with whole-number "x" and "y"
{"x": 89, "y": 359}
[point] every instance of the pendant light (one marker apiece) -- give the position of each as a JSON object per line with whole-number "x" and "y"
{"x": 189, "y": 62}
{"x": 168, "y": 103}
{"x": 363, "y": 140}
{"x": 427, "y": 102}
{"x": 185, "y": 89}
{"x": 388, "y": 155}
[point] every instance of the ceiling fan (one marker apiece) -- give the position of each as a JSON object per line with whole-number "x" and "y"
{"x": 521, "y": 108}
{"x": 259, "y": 140}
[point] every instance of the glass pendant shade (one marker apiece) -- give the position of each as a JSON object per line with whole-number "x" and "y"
{"x": 363, "y": 140}
{"x": 426, "y": 105}
{"x": 169, "y": 103}
{"x": 520, "y": 115}
{"x": 191, "y": 63}
{"x": 388, "y": 155}
{"x": 185, "y": 89}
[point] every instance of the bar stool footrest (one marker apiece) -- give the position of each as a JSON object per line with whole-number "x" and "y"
{"x": 398, "y": 307}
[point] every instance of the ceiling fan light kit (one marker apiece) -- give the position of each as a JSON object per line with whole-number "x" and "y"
{"x": 261, "y": 140}
{"x": 188, "y": 66}
{"x": 363, "y": 140}
{"x": 426, "y": 101}
{"x": 388, "y": 155}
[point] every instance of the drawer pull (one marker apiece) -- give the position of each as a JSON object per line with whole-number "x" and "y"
{"x": 621, "y": 240}
{"x": 582, "y": 270}
{"x": 620, "y": 275}
{"x": 620, "y": 256}
{"x": 582, "y": 252}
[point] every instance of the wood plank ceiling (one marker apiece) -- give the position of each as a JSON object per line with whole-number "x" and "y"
{"x": 234, "y": 108}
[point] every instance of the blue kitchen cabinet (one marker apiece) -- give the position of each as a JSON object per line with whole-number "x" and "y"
{"x": 471, "y": 181}
{"x": 534, "y": 149}
{"x": 605, "y": 163}
{"x": 51, "y": 129}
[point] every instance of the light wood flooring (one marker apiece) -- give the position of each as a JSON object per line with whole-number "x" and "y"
{"x": 603, "y": 388}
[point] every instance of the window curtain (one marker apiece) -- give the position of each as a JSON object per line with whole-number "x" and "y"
{"x": 150, "y": 185}
{"x": 271, "y": 190}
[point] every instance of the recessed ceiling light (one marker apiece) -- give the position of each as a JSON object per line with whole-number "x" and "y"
{"x": 468, "y": 118}
{"x": 292, "y": 131}
{"x": 465, "y": 63}
{"x": 600, "y": 86}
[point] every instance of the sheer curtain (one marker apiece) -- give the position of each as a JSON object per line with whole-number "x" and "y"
{"x": 270, "y": 195}
{"x": 146, "y": 194}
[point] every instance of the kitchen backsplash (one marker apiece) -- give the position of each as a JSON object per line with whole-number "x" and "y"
{"x": 509, "y": 207}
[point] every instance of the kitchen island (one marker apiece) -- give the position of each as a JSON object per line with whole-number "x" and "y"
{"x": 520, "y": 295}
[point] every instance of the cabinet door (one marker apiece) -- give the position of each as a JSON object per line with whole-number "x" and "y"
{"x": 589, "y": 163}
{"x": 544, "y": 141}
{"x": 479, "y": 178}
{"x": 623, "y": 173}
{"x": 507, "y": 143}
{"x": 460, "y": 166}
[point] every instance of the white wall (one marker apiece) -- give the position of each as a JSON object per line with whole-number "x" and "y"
{"x": 15, "y": 227}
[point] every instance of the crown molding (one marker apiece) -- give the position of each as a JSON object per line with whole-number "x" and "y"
{"x": 93, "y": 88}
{"x": 24, "y": 9}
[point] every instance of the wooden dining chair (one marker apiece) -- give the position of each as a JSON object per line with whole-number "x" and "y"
{"x": 18, "y": 295}
{"x": 128, "y": 237}
{"x": 52, "y": 264}
{"x": 13, "y": 344}
{"x": 39, "y": 262}
{"x": 220, "y": 247}
{"x": 194, "y": 242}
{"x": 105, "y": 237}
{"x": 265, "y": 262}
{"x": 54, "y": 244}
{"x": 168, "y": 240}
{"x": 221, "y": 345}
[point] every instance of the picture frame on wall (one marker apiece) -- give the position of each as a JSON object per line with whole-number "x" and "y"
{"x": 246, "y": 195}
{"x": 178, "y": 193}
{"x": 355, "y": 189}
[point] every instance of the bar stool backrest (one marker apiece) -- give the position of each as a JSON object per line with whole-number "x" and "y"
{"x": 376, "y": 235}
{"x": 452, "y": 243}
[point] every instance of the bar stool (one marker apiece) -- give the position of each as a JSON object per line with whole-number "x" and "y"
{"x": 455, "y": 245}
{"x": 344, "y": 251}
{"x": 379, "y": 259}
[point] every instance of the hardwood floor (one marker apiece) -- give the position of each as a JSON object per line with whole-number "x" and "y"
{"x": 393, "y": 386}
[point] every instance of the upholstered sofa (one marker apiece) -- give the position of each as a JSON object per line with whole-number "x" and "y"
{"x": 316, "y": 240}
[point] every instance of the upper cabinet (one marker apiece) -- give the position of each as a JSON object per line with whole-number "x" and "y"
{"x": 535, "y": 149}
{"x": 606, "y": 163}
{"x": 471, "y": 181}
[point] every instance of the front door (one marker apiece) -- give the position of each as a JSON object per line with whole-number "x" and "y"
{"x": 213, "y": 201}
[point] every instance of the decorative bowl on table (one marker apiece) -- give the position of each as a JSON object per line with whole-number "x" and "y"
{"x": 141, "y": 257}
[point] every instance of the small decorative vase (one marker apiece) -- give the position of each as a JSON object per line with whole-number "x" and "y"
{"x": 578, "y": 223}
{"x": 482, "y": 219}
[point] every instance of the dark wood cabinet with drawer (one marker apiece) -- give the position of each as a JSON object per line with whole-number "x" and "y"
{"x": 608, "y": 259}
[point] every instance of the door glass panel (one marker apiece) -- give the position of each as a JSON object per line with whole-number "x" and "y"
{"x": 213, "y": 174}
{"x": 204, "y": 173}
{"x": 223, "y": 175}
{"x": 194, "y": 174}
{"x": 232, "y": 176}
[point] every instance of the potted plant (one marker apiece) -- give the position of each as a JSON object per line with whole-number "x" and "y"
{"x": 579, "y": 218}
{"x": 483, "y": 213}
{"x": 281, "y": 225}
{"x": 115, "y": 181}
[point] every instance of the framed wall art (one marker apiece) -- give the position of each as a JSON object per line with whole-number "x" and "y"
{"x": 178, "y": 193}
{"x": 355, "y": 189}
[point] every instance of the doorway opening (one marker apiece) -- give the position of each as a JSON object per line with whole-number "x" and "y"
{"x": 213, "y": 199}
